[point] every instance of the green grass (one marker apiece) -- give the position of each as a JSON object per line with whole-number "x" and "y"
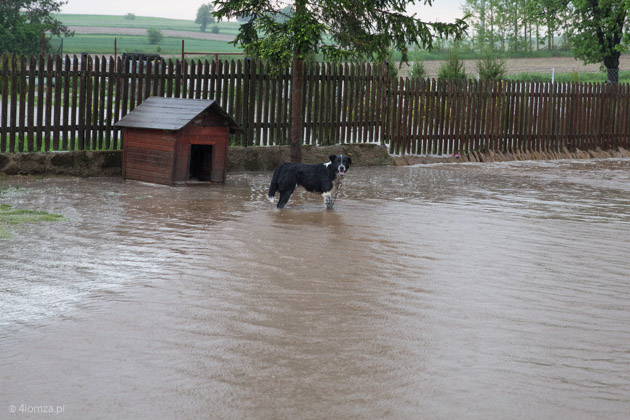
{"x": 226, "y": 28}
{"x": 474, "y": 55}
{"x": 11, "y": 217}
{"x": 104, "y": 44}
{"x": 599, "y": 77}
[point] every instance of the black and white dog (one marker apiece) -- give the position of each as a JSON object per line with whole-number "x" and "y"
{"x": 323, "y": 178}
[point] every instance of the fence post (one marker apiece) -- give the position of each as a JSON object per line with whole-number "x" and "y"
{"x": 82, "y": 107}
{"x": 4, "y": 89}
{"x": 30, "y": 141}
{"x": 14, "y": 103}
{"x": 182, "y": 62}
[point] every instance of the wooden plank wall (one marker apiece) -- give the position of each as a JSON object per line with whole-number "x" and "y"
{"x": 71, "y": 103}
{"x": 149, "y": 156}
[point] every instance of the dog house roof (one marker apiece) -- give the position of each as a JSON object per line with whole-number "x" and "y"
{"x": 172, "y": 114}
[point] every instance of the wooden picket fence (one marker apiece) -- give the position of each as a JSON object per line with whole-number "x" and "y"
{"x": 69, "y": 103}
{"x": 437, "y": 117}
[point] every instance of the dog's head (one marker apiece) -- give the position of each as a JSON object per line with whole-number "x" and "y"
{"x": 340, "y": 163}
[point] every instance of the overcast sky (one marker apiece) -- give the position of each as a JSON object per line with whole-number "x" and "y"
{"x": 442, "y": 10}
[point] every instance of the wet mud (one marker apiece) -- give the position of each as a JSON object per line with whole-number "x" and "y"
{"x": 496, "y": 290}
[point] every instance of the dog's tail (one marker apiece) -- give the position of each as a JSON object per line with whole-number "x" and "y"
{"x": 273, "y": 187}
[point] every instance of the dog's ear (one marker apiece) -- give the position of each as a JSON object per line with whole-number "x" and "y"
{"x": 349, "y": 160}
{"x": 332, "y": 157}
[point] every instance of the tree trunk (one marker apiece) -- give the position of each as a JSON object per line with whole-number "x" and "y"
{"x": 612, "y": 65}
{"x": 297, "y": 120}
{"x": 613, "y": 75}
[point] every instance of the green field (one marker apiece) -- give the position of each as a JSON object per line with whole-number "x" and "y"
{"x": 171, "y": 45}
{"x": 104, "y": 44}
{"x": 227, "y": 28}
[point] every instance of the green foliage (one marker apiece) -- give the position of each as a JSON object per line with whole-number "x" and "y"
{"x": 130, "y": 16}
{"x": 516, "y": 25}
{"x": 418, "y": 71}
{"x": 491, "y": 67}
{"x": 215, "y": 29}
{"x": 22, "y": 23}
{"x": 453, "y": 68}
{"x": 365, "y": 29}
{"x": 204, "y": 16}
{"x": 597, "y": 32}
{"x": 155, "y": 36}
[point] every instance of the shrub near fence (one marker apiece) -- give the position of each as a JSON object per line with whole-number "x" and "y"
{"x": 70, "y": 103}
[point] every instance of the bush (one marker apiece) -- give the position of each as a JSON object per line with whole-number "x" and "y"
{"x": 215, "y": 29}
{"x": 453, "y": 68}
{"x": 130, "y": 16}
{"x": 392, "y": 70}
{"x": 490, "y": 67}
{"x": 418, "y": 71}
{"x": 155, "y": 36}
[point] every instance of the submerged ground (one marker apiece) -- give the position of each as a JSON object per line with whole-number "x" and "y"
{"x": 447, "y": 291}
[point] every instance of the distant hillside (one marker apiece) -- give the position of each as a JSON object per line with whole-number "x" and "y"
{"x": 112, "y": 21}
{"x": 95, "y": 34}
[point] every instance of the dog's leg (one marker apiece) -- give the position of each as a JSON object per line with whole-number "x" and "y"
{"x": 284, "y": 197}
{"x": 330, "y": 196}
{"x": 328, "y": 200}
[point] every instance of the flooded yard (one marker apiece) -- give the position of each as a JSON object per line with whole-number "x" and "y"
{"x": 442, "y": 292}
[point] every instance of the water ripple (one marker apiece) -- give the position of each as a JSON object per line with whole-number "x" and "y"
{"x": 454, "y": 291}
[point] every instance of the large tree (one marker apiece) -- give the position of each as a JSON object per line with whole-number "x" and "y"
{"x": 597, "y": 32}
{"x": 204, "y": 16}
{"x": 22, "y": 23}
{"x": 338, "y": 29}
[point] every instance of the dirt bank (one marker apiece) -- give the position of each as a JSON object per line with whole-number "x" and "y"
{"x": 109, "y": 163}
{"x": 268, "y": 158}
{"x": 491, "y": 156}
{"x": 241, "y": 159}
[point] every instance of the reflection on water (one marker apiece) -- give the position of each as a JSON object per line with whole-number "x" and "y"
{"x": 447, "y": 291}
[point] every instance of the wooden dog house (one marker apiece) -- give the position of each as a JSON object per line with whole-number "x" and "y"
{"x": 176, "y": 141}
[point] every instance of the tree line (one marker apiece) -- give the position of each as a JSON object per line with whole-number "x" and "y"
{"x": 593, "y": 30}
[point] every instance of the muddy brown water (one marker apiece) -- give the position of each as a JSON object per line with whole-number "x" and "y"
{"x": 442, "y": 292}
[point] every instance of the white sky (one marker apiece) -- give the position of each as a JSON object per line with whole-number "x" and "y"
{"x": 442, "y": 10}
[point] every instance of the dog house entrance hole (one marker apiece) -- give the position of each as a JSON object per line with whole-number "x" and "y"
{"x": 200, "y": 164}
